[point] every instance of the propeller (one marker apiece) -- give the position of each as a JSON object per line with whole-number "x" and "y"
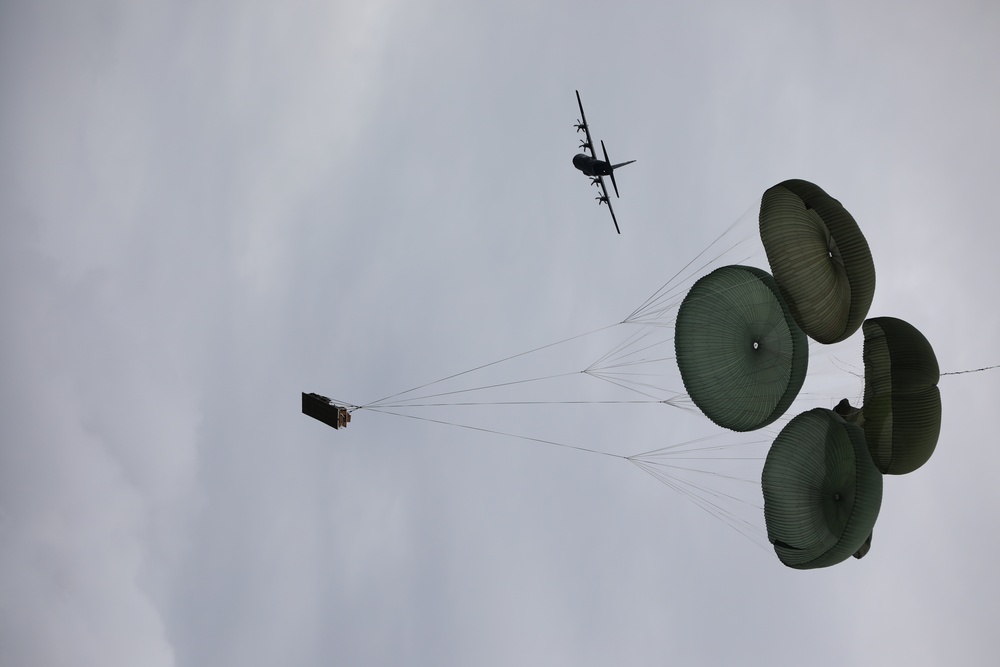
{"x": 580, "y": 127}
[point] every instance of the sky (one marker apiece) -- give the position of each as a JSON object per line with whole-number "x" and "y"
{"x": 208, "y": 208}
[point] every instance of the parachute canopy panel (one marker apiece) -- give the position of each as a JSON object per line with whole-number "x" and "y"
{"x": 819, "y": 257}
{"x": 741, "y": 356}
{"x": 822, "y": 493}
{"x": 902, "y": 409}
{"x": 322, "y": 408}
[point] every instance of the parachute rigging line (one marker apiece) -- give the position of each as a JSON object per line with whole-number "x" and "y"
{"x": 659, "y": 470}
{"x": 659, "y": 294}
{"x": 974, "y": 370}
{"x": 663, "y": 452}
{"x": 843, "y": 366}
{"x": 711, "y": 473}
{"x": 469, "y": 403}
{"x": 620, "y": 382}
{"x": 616, "y": 357}
{"x": 492, "y": 363}
{"x": 730, "y": 519}
{"x": 488, "y": 430}
{"x": 625, "y": 344}
{"x": 622, "y": 352}
{"x": 678, "y": 400}
{"x": 405, "y": 403}
{"x": 649, "y": 315}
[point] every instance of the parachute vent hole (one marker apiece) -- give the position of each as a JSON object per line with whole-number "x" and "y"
{"x": 836, "y": 496}
{"x": 756, "y": 345}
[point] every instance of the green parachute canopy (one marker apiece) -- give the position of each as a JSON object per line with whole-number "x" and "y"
{"x": 902, "y": 410}
{"x": 741, "y": 356}
{"x": 819, "y": 257}
{"x": 822, "y": 493}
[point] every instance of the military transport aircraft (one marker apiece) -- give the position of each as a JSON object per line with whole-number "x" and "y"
{"x": 596, "y": 169}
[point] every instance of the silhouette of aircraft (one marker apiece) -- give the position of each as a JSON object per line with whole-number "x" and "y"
{"x": 596, "y": 169}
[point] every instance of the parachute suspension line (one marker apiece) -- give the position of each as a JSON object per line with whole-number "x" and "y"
{"x": 618, "y": 354}
{"x": 492, "y": 363}
{"x": 711, "y": 473}
{"x": 708, "y": 500}
{"x": 623, "y": 345}
{"x": 638, "y": 362}
{"x": 706, "y": 504}
{"x": 846, "y": 367}
{"x": 406, "y": 402}
{"x": 672, "y": 298}
{"x": 351, "y": 407}
{"x": 678, "y": 400}
{"x": 669, "y": 465}
{"x": 668, "y": 287}
{"x": 621, "y": 383}
{"x": 659, "y": 294}
{"x": 634, "y": 378}
{"x": 488, "y": 430}
{"x": 469, "y": 403}
{"x": 612, "y": 366}
{"x": 664, "y": 452}
{"x": 974, "y": 370}
{"x": 629, "y": 353}
{"x": 716, "y": 292}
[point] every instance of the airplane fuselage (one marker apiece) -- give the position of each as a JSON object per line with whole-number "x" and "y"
{"x": 591, "y": 166}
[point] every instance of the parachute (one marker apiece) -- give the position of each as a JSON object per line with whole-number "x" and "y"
{"x": 822, "y": 492}
{"x": 738, "y": 338}
{"x": 819, "y": 258}
{"x": 824, "y": 269}
{"x": 741, "y": 355}
{"x": 901, "y": 415}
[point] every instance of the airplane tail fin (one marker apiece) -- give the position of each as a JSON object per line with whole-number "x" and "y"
{"x": 613, "y": 167}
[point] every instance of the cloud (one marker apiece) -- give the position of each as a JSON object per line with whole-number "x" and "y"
{"x": 211, "y": 208}
{"x": 76, "y": 500}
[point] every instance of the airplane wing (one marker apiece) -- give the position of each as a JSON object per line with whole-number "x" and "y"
{"x": 582, "y": 125}
{"x": 607, "y": 200}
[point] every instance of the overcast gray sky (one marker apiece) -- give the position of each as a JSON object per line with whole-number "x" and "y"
{"x": 210, "y": 207}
